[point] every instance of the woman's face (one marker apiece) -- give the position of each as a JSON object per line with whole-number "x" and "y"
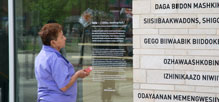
{"x": 59, "y": 42}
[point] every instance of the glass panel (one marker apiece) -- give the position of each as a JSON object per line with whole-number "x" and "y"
{"x": 26, "y": 48}
{"x": 99, "y": 34}
{"x": 4, "y": 50}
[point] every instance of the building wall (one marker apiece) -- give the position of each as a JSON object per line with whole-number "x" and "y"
{"x": 156, "y": 68}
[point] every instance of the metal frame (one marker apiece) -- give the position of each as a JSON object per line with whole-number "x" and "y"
{"x": 11, "y": 51}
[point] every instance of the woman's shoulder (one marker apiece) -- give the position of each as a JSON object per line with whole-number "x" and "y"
{"x": 46, "y": 55}
{"x": 55, "y": 57}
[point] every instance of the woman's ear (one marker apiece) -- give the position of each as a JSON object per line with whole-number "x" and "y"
{"x": 52, "y": 43}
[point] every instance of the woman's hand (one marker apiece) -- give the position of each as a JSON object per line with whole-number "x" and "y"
{"x": 82, "y": 73}
{"x": 78, "y": 74}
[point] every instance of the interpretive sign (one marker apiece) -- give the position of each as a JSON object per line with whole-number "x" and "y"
{"x": 108, "y": 56}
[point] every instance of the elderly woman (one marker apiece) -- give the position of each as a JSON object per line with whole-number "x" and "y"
{"x": 56, "y": 77}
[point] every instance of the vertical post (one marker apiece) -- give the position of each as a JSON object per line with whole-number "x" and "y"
{"x": 11, "y": 50}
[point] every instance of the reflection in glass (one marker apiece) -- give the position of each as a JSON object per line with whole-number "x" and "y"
{"x": 99, "y": 34}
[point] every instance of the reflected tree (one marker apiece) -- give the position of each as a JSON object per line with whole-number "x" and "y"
{"x": 47, "y": 10}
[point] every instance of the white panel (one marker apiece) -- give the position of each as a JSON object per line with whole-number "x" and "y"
{"x": 184, "y": 6}
{"x": 11, "y": 50}
{"x": 210, "y": 42}
{"x": 139, "y": 76}
{"x": 141, "y": 7}
{"x": 157, "y": 87}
